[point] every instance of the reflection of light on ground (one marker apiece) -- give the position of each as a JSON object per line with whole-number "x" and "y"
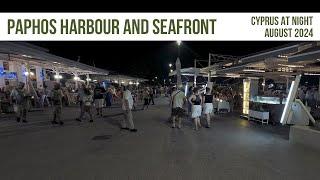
{"x": 244, "y": 123}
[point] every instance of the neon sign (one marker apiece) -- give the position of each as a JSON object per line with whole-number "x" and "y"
{"x": 10, "y": 75}
{"x": 1, "y": 71}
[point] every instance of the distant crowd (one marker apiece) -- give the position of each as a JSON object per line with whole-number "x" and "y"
{"x": 89, "y": 97}
{"x": 94, "y": 97}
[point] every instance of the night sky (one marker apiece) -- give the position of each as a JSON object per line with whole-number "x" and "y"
{"x": 148, "y": 59}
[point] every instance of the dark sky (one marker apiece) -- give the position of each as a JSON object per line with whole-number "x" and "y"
{"x": 148, "y": 59}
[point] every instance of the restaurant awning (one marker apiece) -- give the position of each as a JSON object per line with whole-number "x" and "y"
{"x": 284, "y": 61}
{"x": 32, "y": 55}
{"x": 35, "y": 55}
{"x": 188, "y": 72}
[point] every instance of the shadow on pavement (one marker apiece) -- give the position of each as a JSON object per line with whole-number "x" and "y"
{"x": 15, "y": 128}
{"x": 31, "y": 127}
{"x": 102, "y": 137}
{"x": 186, "y": 122}
{"x": 112, "y": 121}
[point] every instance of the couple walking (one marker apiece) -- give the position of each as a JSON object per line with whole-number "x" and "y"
{"x": 197, "y": 101}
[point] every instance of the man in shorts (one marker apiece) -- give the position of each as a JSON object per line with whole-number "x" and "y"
{"x": 177, "y": 101}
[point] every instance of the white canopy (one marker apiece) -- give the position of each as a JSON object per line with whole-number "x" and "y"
{"x": 32, "y": 55}
{"x": 188, "y": 72}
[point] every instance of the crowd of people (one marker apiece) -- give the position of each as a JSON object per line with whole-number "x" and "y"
{"x": 89, "y": 97}
{"x": 310, "y": 96}
{"x": 94, "y": 97}
{"x": 200, "y": 101}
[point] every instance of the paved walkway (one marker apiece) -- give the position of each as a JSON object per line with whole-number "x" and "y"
{"x": 232, "y": 149}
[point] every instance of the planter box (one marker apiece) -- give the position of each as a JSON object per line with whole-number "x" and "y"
{"x": 260, "y": 116}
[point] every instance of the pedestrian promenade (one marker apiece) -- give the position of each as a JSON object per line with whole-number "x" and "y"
{"x": 232, "y": 149}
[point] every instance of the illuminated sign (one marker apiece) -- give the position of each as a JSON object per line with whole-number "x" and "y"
{"x": 7, "y": 75}
{"x": 286, "y": 107}
{"x": 10, "y": 75}
{"x": 246, "y": 96}
{"x": 1, "y": 71}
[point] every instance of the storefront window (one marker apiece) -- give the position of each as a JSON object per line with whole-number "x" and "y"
{"x": 6, "y": 66}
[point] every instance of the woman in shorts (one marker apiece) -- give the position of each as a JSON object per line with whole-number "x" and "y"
{"x": 207, "y": 105}
{"x": 196, "y": 108}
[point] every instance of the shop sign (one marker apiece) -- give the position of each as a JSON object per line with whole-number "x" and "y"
{"x": 1, "y": 71}
{"x": 10, "y": 75}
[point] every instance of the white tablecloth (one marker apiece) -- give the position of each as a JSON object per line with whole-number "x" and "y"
{"x": 223, "y": 105}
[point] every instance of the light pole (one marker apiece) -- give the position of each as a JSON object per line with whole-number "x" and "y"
{"x": 178, "y": 67}
{"x": 170, "y": 66}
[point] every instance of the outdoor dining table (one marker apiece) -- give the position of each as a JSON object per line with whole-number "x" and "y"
{"x": 222, "y": 104}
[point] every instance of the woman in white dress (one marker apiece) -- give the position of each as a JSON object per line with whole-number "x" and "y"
{"x": 196, "y": 109}
{"x": 207, "y": 105}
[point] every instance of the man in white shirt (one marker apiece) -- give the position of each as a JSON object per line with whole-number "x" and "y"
{"x": 127, "y": 104}
{"x": 177, "y": 101}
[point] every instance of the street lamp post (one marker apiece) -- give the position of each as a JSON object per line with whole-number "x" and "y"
{"x": 195, "y": 74}
{"x": 178, "y": 67}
